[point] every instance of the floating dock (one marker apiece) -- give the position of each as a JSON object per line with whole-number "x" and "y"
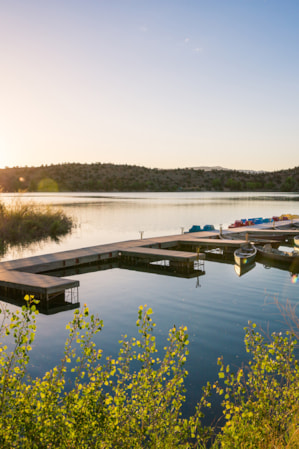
{"x": 182, "y": 254}
{"x": 25, "y": 276}
{"x": 51, "y": 291}
{"x": 181, "y": 261}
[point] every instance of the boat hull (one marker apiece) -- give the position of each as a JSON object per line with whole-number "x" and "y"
{"x": 283, "y": 257}
{"x": 243, "y": 269}
{"x": 245, "y": 255}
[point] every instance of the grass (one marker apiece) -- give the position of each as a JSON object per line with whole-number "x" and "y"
{"x": 24, "y": 223}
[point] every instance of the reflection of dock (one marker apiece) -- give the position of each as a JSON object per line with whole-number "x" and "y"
{"x": 178, "y": 255}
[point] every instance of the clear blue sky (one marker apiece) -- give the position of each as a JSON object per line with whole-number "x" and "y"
{"x": 158, "y": 83}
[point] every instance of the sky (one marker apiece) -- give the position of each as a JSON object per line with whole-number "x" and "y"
{"x": 154, "y": 83}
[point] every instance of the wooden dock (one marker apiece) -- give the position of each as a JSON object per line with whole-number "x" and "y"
{"x": 209, "y": 243}
{"x": 49, "y": 290}
{"x": 47, "y": 285}
{"x": 23, "y": 276}
{"x": 154, "y": 254}
{"x": 181, "y": 261}
{"x": 184, "y": 253}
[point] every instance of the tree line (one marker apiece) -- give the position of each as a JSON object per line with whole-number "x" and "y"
{"x": 98, "y": 177}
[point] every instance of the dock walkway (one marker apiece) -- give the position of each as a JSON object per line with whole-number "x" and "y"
{"x": 25, "y": 275}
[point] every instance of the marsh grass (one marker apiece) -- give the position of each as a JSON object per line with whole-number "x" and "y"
{"x": 24, "y": 223}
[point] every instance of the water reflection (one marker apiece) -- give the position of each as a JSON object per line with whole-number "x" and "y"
{"x": 294, "y": 278}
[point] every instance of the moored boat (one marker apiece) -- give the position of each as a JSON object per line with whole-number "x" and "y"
{"x": 260, "y": 221}
{"x": 197, "y": 228}
{"x": 243, "y": 269}
{"x": 296, "y": 240}
{"x": 277, "y": 255}
{"x": 245, "y": 254}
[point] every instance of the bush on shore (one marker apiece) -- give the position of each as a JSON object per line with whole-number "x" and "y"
{"x": 113, "y": 405}
{"x": 27, "y": 222}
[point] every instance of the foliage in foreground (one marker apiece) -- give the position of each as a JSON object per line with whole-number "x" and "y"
{"x": 134, "y": 401}
{"x": 22, "y": 223}
{"x": 261, "y": 406}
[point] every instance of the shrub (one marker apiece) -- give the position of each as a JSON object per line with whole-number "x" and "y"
{"x": 108, "y": 405}
{"x": 261, "y": 406}
{"x": 134, "y": 401}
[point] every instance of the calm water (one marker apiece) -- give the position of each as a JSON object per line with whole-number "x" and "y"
{"x": 215, "y": 307}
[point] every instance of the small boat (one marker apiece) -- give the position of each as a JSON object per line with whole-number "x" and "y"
{"x": 245, "y": 254}
{"x": 272, "y": 254}
{"x": 197, "y": 228}
{"x": 249, "y": 222}
{"x": 243, "y": 269}
{"x": 296, "y": 240}
{"x": 209, "y": 227}
{"x": 237, "y": 224}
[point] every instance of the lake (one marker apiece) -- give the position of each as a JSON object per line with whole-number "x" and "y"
{"x": 215, "y": 307}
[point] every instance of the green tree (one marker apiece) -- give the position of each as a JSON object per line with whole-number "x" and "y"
{"x": 217, "y": 184}
{"x": 233, "y": 184}
{"x": 288, "y": 185}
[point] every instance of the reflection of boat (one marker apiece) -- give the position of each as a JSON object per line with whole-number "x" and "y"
{"x": 276, "y": 255}
{"x": 245, "y": 255}
{"x": 242, "y": 269}
{"x": 284, "y": 267}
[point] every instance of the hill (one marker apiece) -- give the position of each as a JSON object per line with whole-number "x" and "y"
{"x": 98, "y": 177}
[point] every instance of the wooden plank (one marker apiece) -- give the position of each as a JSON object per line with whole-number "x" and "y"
{"x": 35, "y": 282}
{"x": 162, "y": 254}
{"x": 217, "y": 243}
{"x": 46, "y": 262}
{"x": 274, "y": 231}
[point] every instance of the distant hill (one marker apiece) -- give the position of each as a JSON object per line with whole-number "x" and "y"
{"x": 218, "y": 167}
{"x": 98, "y": 177}
{"x": 205, "y": 168}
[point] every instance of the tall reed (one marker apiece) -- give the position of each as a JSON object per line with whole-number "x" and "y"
{"x": 25, "y": 222}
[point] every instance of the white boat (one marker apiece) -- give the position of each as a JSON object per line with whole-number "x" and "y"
{"x": 245, "y": 255}
{"x": 296, "y": 240}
